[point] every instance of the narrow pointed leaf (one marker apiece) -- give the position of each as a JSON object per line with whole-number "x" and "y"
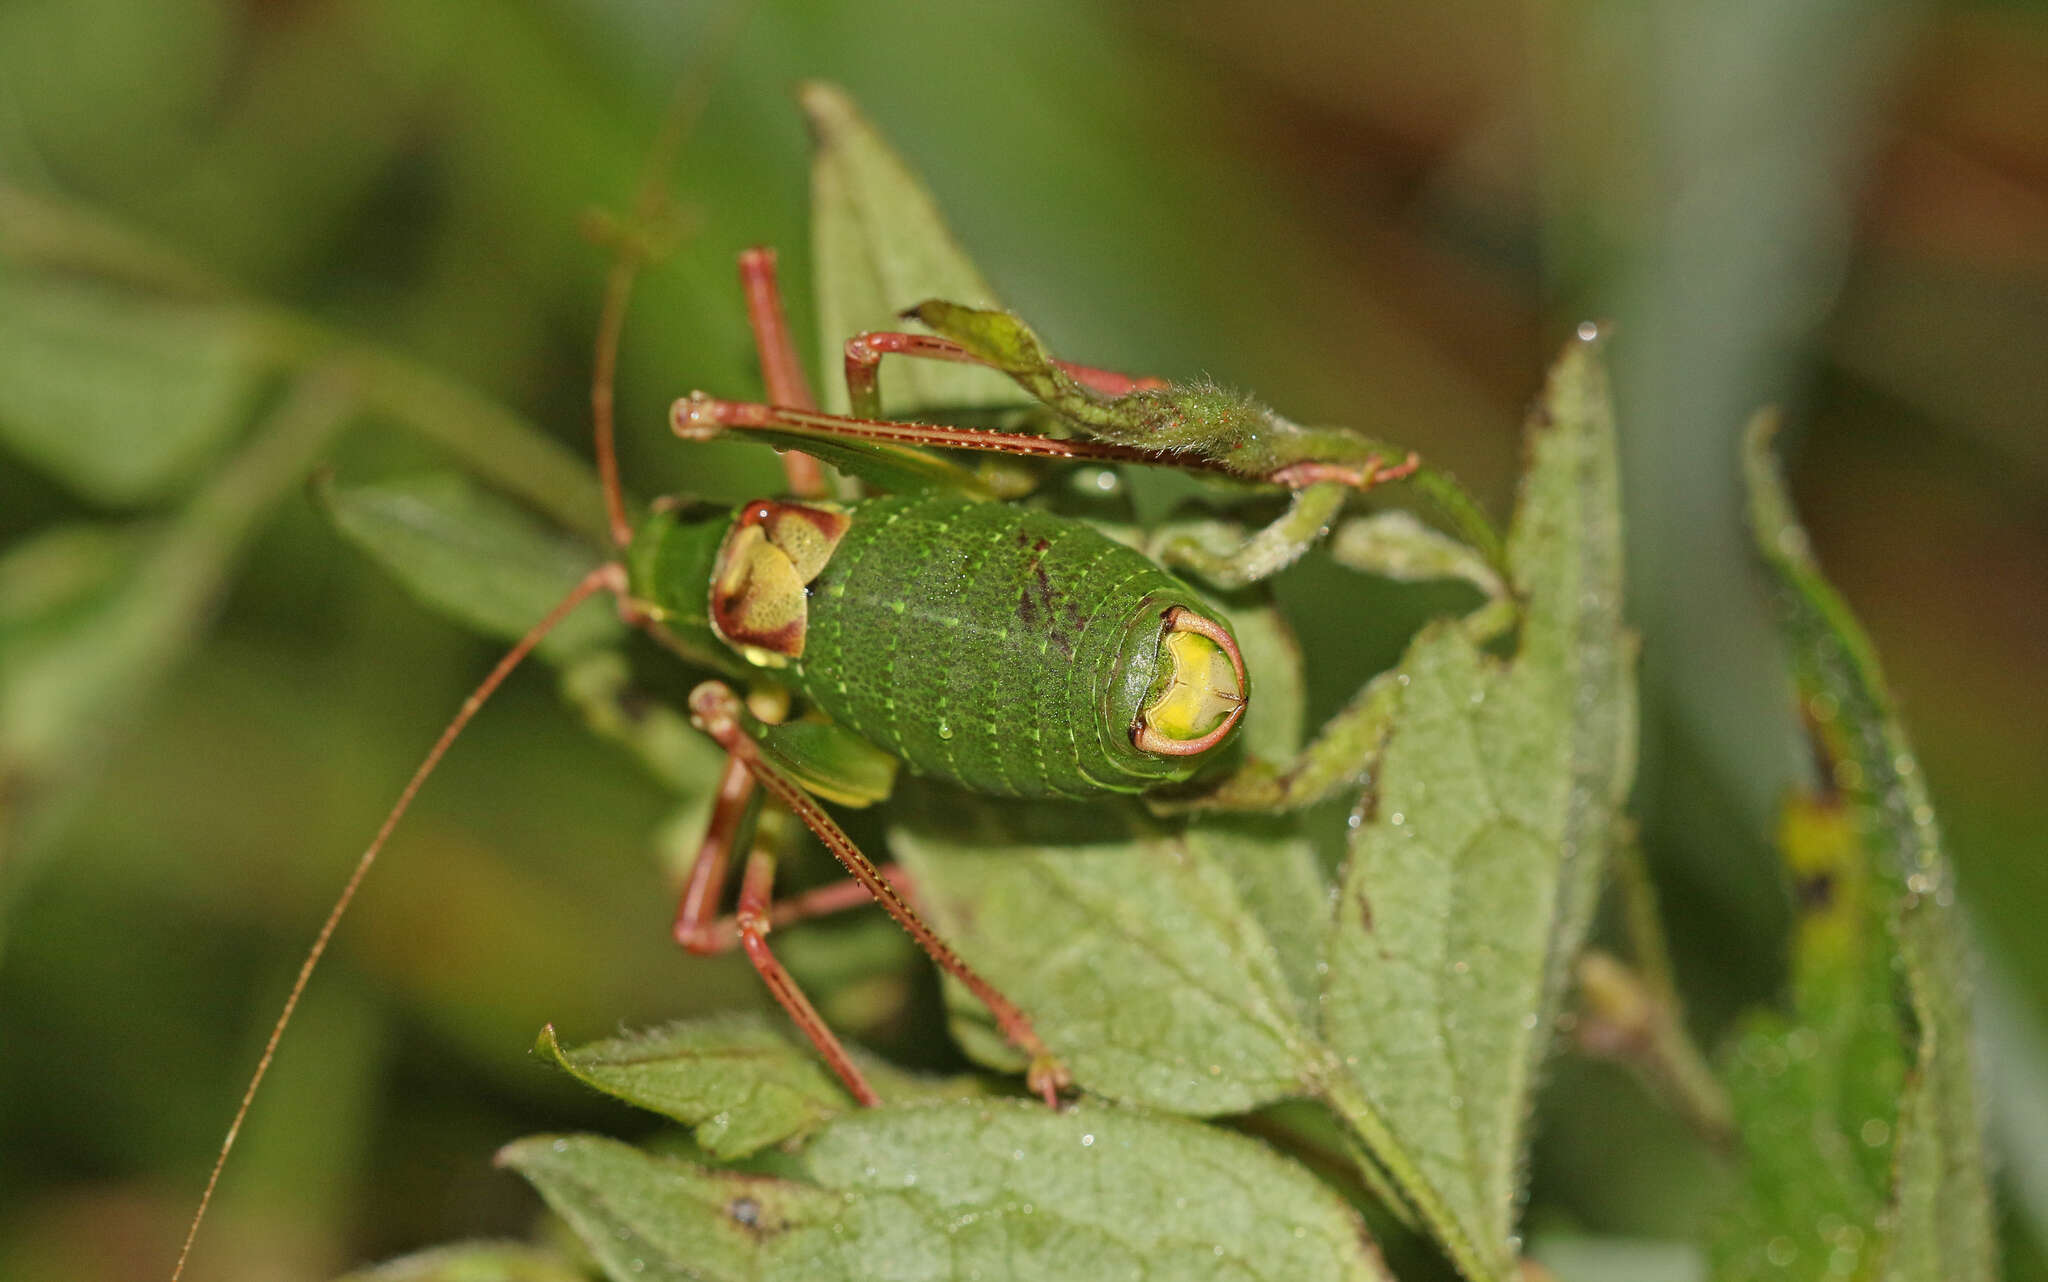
{"x": 472, "y": 555}
{"x": 121, "y": 396}
{"x": 880, "y": 245}
{"x": 989, "y": 1191}
{"x": 1815, "y": 1090}
{"x": 1472, "y": 879}
{"x": 1937, "y": 1220}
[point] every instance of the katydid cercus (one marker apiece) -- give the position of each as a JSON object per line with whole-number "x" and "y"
{"x": 991, "y": 645}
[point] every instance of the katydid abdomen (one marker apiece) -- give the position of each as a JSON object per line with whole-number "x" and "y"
{"x": 1014, "y": 652}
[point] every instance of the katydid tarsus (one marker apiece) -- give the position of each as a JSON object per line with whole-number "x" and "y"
{"x": 990, "y": 645}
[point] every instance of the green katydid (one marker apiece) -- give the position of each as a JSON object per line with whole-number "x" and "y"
{"x": 998, "y": 647}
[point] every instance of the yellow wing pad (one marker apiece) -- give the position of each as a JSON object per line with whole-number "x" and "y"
{"x": 760, "y": 605}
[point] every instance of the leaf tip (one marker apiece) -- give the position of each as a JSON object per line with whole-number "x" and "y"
{"x": 827, "y": 108}
{"x": 549, "y": 1047}
{"x": 516, "y": 1155}
{"x": 1578, "y": 376}
{"x": 1773, "y": 523}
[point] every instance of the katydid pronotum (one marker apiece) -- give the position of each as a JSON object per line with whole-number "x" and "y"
{"x": 986, "y": 644}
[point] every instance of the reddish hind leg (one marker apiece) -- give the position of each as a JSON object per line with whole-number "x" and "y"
{"x": 781, "y": 370}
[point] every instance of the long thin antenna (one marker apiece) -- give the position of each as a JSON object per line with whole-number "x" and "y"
{"x": 610, "y": 576}
{"x": 634, "y": 245}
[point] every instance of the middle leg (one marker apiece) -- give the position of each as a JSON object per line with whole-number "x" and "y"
{"x": 715, "y": 709}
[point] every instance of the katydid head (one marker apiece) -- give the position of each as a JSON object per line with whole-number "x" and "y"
{"x": 758, "y": 590}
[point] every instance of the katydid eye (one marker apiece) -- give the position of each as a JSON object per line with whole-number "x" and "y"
{"x": 1198, "y": 690}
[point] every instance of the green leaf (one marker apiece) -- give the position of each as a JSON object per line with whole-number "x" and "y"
{"x": 1815, "y": 1090}
{"x": 1200, "y": 970}
{"x": 742, "y": 1084}
{"x": 977, "y": 1190}
{"x": 1276, "y": 717}
{"x": 880, "y": 246}
{"x": 474, "y": 556}
{"x": 95, "y": 618}
{"x": 121, "y": 396}
{"x": 1934, "y": 1218}
{"x": 1474, "y": 871}
{"x": 1584, "y": 1258}
{"x": 476, "y": 1262}
{"x": 1142, "y": 961}
{"x": 741, "y": 1081}
{"x": 76, "y": 622}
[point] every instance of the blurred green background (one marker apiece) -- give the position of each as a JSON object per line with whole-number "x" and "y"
{"x": 1385, "y": 215}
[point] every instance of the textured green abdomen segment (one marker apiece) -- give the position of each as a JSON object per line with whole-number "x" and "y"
{"x": 975, "y": 640}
